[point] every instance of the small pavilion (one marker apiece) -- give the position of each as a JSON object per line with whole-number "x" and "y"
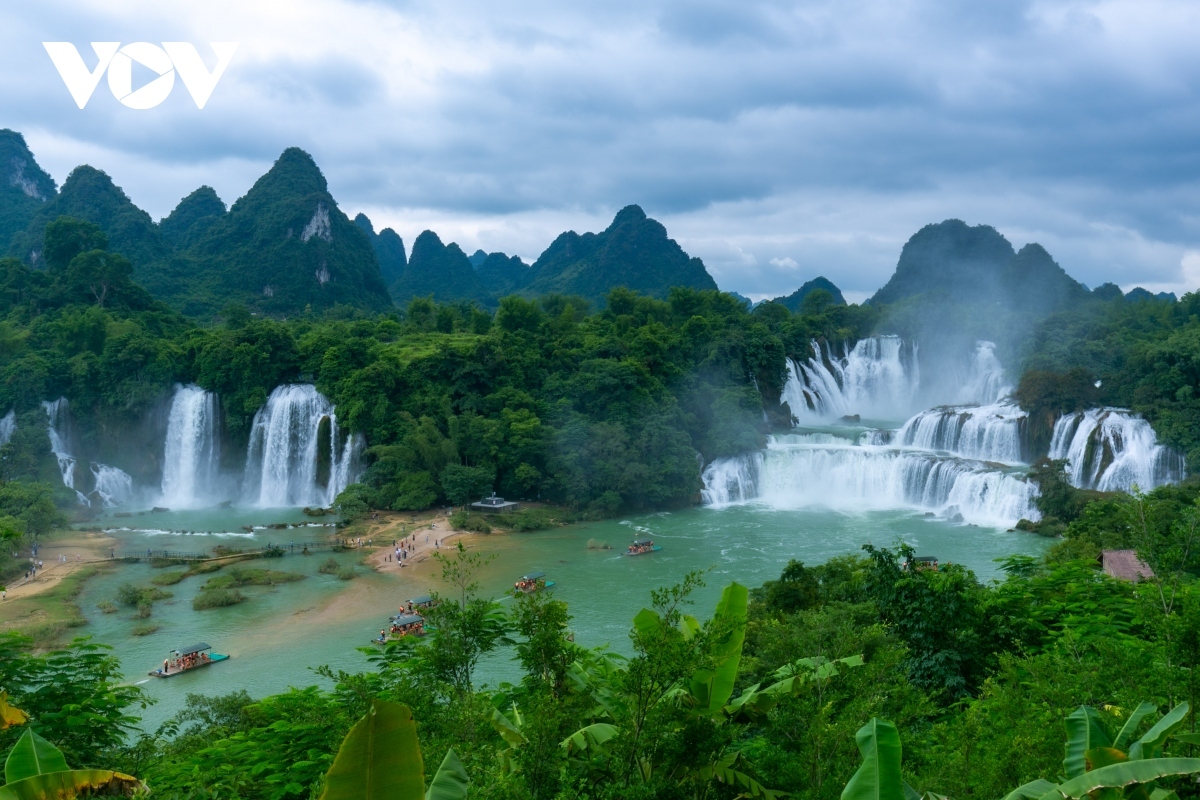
{"x": 494, "y": 505}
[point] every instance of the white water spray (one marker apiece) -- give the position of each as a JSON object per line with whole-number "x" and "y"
{"x": 191, "y": 452}
{"x": 58, "y": 412}
{"x": 985, "y": 383}
{"x": 8, "y": 426}
{"x": 850, "y": 478}
{"x": 1111, "y": 449}
{"x": 877, "y": 379}
{"x": 282, "y": 461}
{"x": 987, "y": 433}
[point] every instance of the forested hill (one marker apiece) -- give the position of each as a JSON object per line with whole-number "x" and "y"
{"x": 795, "y": 301}
{"x": 634, "y": 252}
{"x": 977, "y": 265}
{"x": 286, "y": 246}
{"x": 24, "y": 186}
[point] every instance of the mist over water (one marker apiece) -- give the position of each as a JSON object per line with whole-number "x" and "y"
{"x": 964, "y": 462}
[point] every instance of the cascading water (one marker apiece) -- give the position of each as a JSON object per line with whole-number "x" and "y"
{"x": 110, "y": 485}
{"x": 1111, "y": 449}
{"x": 113, "y": 486}
{"x": 987, "y": 433}
{"x": 191, "y": 452}
{"x": 852, "y": 477}
{"x": 58, "y": 412}
{"x": 283, "y": 461}
{"x": 8, "y": 426}
{"x": 877, "y": 379}
{"x": 985, "y": 383}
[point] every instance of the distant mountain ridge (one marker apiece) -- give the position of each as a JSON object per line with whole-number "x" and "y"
{"x": 976, "y": 264}
{"x": 794, "y": 300}
{"x": 634, "y": 252}
{"x": 389, "y": 249}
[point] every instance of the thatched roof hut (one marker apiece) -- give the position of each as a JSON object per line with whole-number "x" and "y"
{"x": 1125, "y": 565}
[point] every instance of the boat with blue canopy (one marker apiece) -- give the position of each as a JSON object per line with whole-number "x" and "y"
{"x": 533, "y": 582}
{"x": 188, "y": 658}
{"x": 641, "y": 546}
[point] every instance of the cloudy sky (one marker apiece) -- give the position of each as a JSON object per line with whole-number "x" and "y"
{"x": 776, "y": 140}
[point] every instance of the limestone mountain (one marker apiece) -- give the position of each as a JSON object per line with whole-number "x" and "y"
{"x": 89, "y": 194}
{"x": 501, "y": 274}
{"x": 1033, "y": 282}
{"x": 192, "y": 218}
{"x": 389, "y": 249}
{"x": 24, "y": 186}
{"x": 634, "y": 251}
{"x": 442, "y": 271}
{"x": 477, "y": 258}
{"x": 286, "y": 246}
{"x": 794, "y": 300}
{"x": 977, "y": 265}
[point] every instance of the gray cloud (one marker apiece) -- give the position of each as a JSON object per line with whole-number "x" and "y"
{"x": 777, "y": 140}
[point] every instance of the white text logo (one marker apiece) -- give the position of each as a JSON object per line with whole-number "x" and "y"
{"x": 164, "y": 61}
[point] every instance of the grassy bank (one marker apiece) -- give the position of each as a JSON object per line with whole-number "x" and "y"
{"x": 48, "y": 617}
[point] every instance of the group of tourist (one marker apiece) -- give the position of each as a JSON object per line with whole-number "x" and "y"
{"x": 184, "y": 662}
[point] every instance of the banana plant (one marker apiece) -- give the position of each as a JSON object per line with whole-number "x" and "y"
{"x": 380, "y": 759}
{"x": 755, "y": 702}
{"x": 1123, "y": 766}
{"x": 10, "y": 717}
{"x": 36, "y": 770}
{"x": 1095, "y": 764}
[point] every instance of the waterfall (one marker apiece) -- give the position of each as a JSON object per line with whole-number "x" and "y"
{"x": 8, "y": 426}
{"x": 849, "y": 477}
{"x": 59, "y": 414}
{"x": 110, "y": 485}
{"x": 283, "y": 462}
{"x": 732, "y": 480}
{"x": 985, "y": 384}
{"x": 877, "y": 379}
{"x": 1111, "y": 449}
{"x": 191, "y": 452}
{"x": 988, "y": 433}
{"x": 113, "y": 486}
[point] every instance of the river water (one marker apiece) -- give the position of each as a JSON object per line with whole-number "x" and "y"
{"x": 281, "y": 633}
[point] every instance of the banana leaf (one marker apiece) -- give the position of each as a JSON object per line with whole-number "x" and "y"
{"x": 70, "y": 783}
{"x": 32, "y": 755}
{"x": 1152, "y": 741}
{"x": 509, "y": 729}
{"x": 1104, "y": 756}
{"x": 1085, "y": 731}
{"x": 1125, "y": 736}
{"x": 878, "y": 778}
{"x": 589, "y": 737}
{"x": 451, "y": 781}
{"x": 646, "y": 622}
{"x": 712, "y": 688}
{"x": 9, "y": 716}
{"x": 380, "y": 759}
{"x": 1124, "y": 774}
{"x": 1034, "y": 790}
{"x": 723, "y": 771}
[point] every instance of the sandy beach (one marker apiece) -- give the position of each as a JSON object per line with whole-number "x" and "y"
{"x": 79, "y": 549}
